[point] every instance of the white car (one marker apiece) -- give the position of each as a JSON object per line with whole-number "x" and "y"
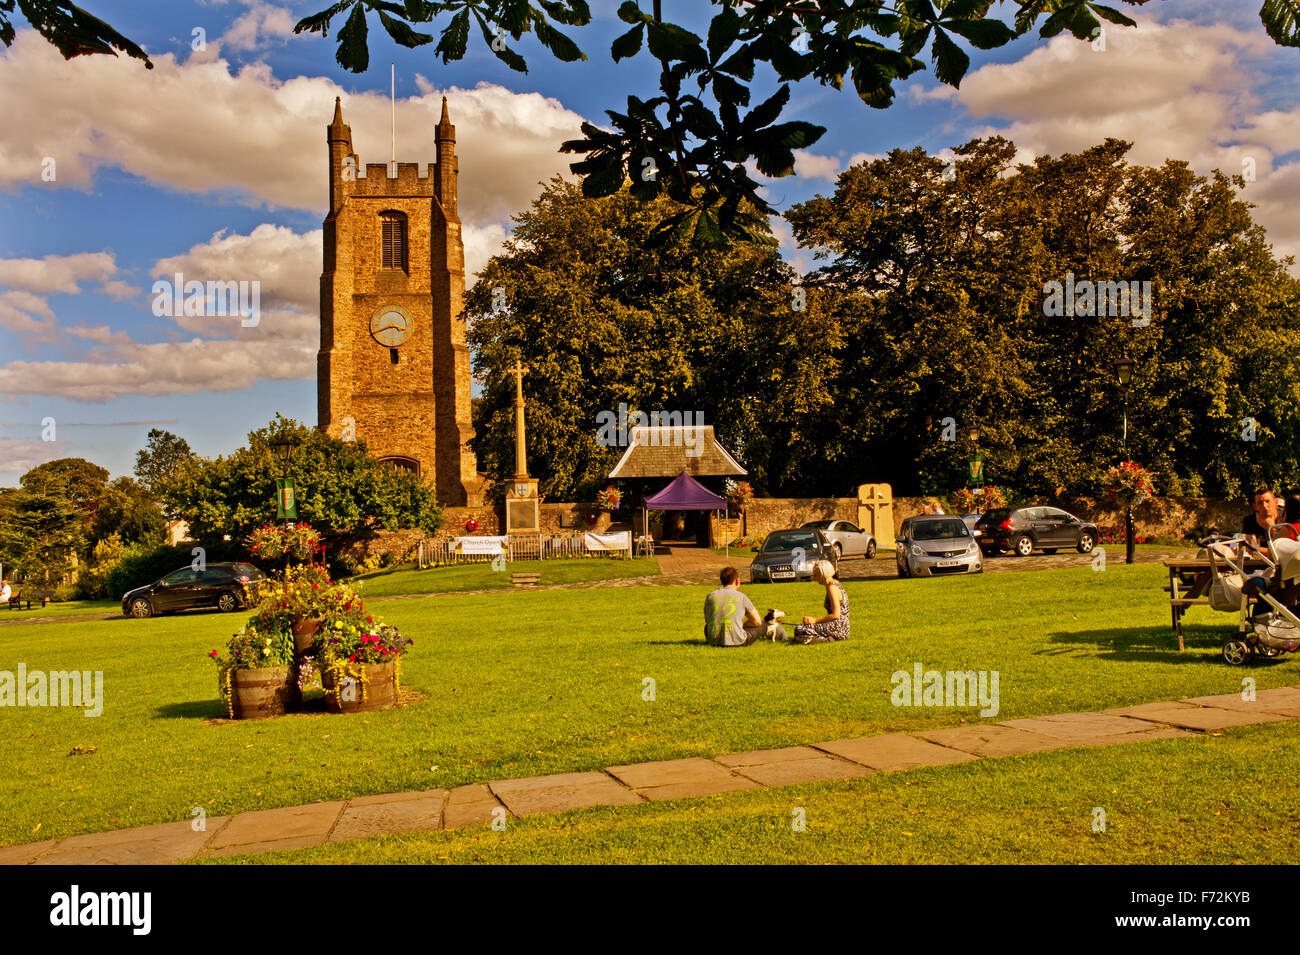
{"x": 847, "y": 538}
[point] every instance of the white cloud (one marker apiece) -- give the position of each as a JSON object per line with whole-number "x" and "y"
{"x": 812, "y": 166}
{"x": 161, "y": 369}
{"x": 20, "y": 456}
{"x": 1175, "y": 90}
{"x": 56, "y": 273}
{"x": 255, "y": 135}
{"x": 255, "y": 29}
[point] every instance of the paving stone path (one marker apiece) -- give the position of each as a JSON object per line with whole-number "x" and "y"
{"x": 478, "y": 804}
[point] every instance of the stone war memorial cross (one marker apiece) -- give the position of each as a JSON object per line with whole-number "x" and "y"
{"x": 523, "y": 515}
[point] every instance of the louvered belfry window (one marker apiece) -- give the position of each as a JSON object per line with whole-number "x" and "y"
{"x": 393, "y": 242}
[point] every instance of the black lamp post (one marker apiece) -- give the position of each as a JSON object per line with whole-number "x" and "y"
{"x": 1124, "y": 372}
{"x": 282, "y": 445}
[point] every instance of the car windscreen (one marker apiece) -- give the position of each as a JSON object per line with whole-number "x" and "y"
{"x": 939, "y": 530}
{"x": 819, "y": 525}
{"x": 994, "y": 517}
{"x": 789, "y": 540}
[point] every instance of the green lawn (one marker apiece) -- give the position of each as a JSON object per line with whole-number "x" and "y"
{"x": 409, "y": 579}
{"x": 61, "y": 609}
{"x": 1165, "y": 803}
{"x": 523, "y": 683}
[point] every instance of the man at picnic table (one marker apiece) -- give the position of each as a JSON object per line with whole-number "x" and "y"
{"x": 1263, "y": 515}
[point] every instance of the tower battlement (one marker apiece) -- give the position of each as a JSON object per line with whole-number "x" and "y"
{"x": 377, "y": 179}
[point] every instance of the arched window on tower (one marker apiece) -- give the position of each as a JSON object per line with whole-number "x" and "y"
{"x": 392, "y": 228}
{"x": 404, "y": 464}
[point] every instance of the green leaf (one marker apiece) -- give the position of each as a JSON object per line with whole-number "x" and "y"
{"x": 454, "y": 38}
{"x": 1281, "y": 19}
{"x": 402, "y": 32}
{"x": 668, "y": 41}
{"x": 352, "y": 52}
{"x": 564, "y": 49}
{"x": 629, "y": 12}
{"x": 723, "y": 31}
{"x": 983, "y": 34}
{"x": 950, "y": 61}
{"x": 629, "y": 44}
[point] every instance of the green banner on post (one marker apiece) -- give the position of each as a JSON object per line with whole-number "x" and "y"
{"x": 286, "y": 508}
{"x": 977, "y": 469}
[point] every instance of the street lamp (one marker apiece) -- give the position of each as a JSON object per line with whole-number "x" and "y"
{"x": 1124, "y": 372}
{"x": 976, "y": 465}
{"x": 282, "y": 446}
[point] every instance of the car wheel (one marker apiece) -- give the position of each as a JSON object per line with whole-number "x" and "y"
{"x": 1022, "y": 546}
{"x": 839, "y": 551}
{"x": 902, "y": 571}
{"x": 227, "y": 602}
{"x": 141, "y": 608}
{"x": 871, "y": 550}
{"x": 1086, "y": 543}
{"x": 1236, "y": 652}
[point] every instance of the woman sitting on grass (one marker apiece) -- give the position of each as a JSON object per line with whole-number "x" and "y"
{"x": 835, "y": 625}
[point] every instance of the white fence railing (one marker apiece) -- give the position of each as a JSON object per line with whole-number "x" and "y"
{"x": 448, "y": 550}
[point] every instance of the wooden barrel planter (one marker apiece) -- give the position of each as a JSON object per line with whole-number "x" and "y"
{"x": 380, "y": 690}
{"x": 304, "y": 634}
{"x": 257, "y": 694}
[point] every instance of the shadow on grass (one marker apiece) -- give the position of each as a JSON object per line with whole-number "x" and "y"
{"x": 193, "y": 710}
{"x": 1204, "y": 645}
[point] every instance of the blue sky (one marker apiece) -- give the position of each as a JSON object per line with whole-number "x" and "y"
{"x": 214, "y": 162}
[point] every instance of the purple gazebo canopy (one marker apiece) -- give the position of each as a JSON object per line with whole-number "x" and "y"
{"x": 685, "y": 494}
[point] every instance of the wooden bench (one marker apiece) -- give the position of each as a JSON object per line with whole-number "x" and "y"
{"x": 16, "y": 601}
{"x": 526, "y": 580}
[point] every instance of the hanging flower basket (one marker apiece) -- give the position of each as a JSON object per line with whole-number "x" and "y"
{"x": 608, "y": 499}
{"x": 740, "y": 495}
{"x": 1129, "y": 484}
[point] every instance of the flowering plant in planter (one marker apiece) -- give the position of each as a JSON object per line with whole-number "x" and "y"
{"x": 271, "y": 541}
{"x": 259, "y": 644}
{"x": 300, "y": 592}
{"x": 1130, "y": 483}
{"x": 740, "y": 495}
{"x": 351, "y": 640}
{"x": 608, "y": 499}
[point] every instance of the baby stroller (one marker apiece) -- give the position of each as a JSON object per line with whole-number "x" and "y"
{"x": 1274, "y": 627}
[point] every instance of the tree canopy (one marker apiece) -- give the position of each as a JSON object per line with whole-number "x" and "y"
{"x": 342, "y": 489}
{"x": 931, "y": 304}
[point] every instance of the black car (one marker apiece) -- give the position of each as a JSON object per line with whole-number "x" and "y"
{"x": 1021, "y": 530}
{"x": 224, "y": 586}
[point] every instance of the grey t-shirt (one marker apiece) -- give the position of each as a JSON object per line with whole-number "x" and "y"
{"x": 725, "y": 613}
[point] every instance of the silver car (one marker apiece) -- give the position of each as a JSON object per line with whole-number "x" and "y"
{"x": 932, "y": 545}
{"x": 847, "y": 538}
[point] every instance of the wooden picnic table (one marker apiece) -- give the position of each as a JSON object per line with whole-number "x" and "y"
{"x": 1189, "y": 583}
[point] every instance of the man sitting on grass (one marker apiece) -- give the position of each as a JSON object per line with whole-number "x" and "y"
{"x": 730, "y": 618}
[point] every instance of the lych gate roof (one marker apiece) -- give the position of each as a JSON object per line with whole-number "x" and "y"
{"x": 667, "y": 451}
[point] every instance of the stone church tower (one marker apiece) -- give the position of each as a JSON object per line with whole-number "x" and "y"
{"x": 393, "y": 368}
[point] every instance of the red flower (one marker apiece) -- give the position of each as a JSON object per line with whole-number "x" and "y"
{"x": 213, "y": 654}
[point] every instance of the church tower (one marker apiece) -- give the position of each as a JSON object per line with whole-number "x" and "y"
{"x": 393, "y": 368}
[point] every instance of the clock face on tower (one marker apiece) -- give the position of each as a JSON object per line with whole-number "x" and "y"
{"x": 391, "y": 325}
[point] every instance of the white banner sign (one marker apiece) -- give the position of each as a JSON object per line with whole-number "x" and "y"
{"x": 481, "y": 545}
{"x": 620, "y": 541}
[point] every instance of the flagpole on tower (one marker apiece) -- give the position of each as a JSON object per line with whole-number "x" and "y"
{"x": 392, "y": 76}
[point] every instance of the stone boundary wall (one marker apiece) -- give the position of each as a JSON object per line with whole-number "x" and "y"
{"x": 1166, "y": 517}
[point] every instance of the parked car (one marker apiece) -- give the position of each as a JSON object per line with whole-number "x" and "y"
{"x": 1024, "y": 529}
{"x": 932, "y": 545}
{"x": 790, "y": 555}
{"x": 226, "y": 587}
{"x": 847, "y": 538}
